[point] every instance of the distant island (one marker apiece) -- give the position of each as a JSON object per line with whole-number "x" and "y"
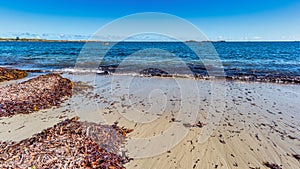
{"x": 17, "y": 39}
{"x": 206, "y": 41}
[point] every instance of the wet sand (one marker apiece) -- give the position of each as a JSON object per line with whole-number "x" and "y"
{"x": 243, "y": 125}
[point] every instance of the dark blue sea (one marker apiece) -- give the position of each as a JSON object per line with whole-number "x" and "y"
{"x": 244, "y": 60}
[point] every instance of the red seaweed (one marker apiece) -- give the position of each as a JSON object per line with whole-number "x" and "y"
{"x": 68, "y": 144}
{"x": 38, "y": 93}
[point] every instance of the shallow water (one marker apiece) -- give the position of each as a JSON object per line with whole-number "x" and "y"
{"x": 278, "y": 59}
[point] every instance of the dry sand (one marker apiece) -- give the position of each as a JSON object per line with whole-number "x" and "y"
{"x": 245, "y": 124}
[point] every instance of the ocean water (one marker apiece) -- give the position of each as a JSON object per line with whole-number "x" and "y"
{"x": 257, "y": 60}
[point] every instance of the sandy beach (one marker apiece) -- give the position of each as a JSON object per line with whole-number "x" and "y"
{"x": 182, "y": 123}
{"x": 150, "y": 84}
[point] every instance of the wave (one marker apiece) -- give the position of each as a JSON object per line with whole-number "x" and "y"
{"x": 152, "y": 72}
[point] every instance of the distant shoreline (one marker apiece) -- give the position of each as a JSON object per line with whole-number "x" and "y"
{"x": 41, "y": 40}
{"x": 188, "y": 41}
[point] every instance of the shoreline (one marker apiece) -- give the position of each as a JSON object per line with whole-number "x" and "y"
{"x": 284, "y": 80}
{"x": 153, "y": 72}
{"x": 273, "y": 79}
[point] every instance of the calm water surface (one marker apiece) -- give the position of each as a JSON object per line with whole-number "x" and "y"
{"x": 237, "y": 58}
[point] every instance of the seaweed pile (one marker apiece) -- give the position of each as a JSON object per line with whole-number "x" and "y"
{"x": 11, "y": 74}
{"x": 267, "y": 78}
{"x": 41, "y": 92}
{"x": 68, "y": 144}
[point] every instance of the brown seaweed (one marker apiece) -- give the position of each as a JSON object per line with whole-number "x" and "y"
{"x": 68, "y": 144}
{"x": 11, "y": 74}
{"x": 38, "y": 93}
{"x": 271, "y": 165}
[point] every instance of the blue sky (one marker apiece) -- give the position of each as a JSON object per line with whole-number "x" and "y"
{"x": 222, "y": 19}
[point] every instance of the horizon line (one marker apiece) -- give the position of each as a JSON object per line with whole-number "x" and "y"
{"x": 115, "y": 41}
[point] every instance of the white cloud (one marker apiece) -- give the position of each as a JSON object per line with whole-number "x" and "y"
{"x": 257, "y": 37}
{"x": 49, "y": 36}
